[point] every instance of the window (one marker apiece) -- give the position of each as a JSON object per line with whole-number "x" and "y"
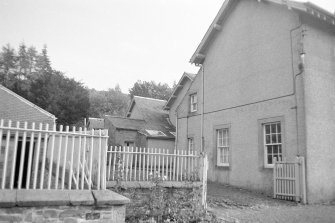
{"x": 193, "y": 103}
{"x": 222, "y": 146}
{"x": 155, "y": 132}
{"x": 129, "y": 144}
{"x": 272, "y": 142}
{"x": 190, "y": 144}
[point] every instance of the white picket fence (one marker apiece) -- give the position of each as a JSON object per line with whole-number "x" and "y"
{"x": 144, "y": 164}
{"x": 44, "y": 158}
{"x": 289, "y": 180}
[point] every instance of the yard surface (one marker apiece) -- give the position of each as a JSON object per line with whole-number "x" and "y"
{"x": 238, "y": 205}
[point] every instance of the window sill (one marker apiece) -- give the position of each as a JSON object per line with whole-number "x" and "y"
{"x": 269, "y": 166}
{"x": 192, "y": 113}
{"x": 223, "y": 165}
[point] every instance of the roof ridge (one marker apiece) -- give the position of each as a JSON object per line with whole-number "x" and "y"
{"x": 111, "y": 116}
{"x": 149, "y": 98}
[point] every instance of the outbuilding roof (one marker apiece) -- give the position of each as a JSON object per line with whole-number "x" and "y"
{"x": 126, "y": 123}
{"x": 154, "y": 116}
{"x": 11, "y": 93}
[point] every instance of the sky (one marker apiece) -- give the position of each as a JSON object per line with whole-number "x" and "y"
{"x": 107, "y": 42}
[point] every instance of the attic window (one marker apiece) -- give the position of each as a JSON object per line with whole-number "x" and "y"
{"x": 155, "y": 132}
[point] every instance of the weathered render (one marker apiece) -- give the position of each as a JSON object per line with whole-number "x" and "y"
{"x": 265, "y": 62}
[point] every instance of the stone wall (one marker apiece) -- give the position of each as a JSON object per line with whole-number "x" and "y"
{"x": 61, "y": 206}
{"x": 159, "y": 200}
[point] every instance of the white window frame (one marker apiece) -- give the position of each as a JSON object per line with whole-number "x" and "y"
{"x": 223, "y": 145}
{"x": 272, "y": 138}
{"x": 193, "y": 102}
{"x": 190, "y": 144}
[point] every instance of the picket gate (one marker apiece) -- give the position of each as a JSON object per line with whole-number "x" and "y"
{"x": 289, "y": 180}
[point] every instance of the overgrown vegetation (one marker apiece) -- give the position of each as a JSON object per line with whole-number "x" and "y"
{"x": 161, "y": 205}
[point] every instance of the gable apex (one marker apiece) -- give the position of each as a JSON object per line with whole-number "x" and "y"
{"x": 216, "y": 26}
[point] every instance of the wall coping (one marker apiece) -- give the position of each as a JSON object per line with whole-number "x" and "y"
{"x": 33, "y": 198}
{"x": 149, "y": 184}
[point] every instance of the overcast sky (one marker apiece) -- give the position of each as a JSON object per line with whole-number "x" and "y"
{"x": 107, "y": 42}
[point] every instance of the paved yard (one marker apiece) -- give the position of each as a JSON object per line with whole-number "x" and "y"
{"x": 240, "y": 205}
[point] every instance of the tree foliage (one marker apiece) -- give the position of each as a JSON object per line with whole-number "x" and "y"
{"x": 30, "y": 74}
{"x": 110, "y": 102}
{"x": 151, "y": 89}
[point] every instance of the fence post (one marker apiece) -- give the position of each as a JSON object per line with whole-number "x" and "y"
{"x": 297, "y": 179}
{"x": 303, "y": 180}
{"x": 204, "y": 181}
{"x": 274, "y": 177}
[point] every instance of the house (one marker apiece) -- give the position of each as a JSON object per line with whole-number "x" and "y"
{"x": 265, "y": 89}
{"x": 146, "y": 125}
{"x": 17, "y": 109}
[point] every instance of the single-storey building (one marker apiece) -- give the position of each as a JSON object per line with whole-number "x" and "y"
{"x": 17, "y": 109}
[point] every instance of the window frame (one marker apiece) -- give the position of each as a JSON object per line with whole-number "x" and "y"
{"x": 228, "y": 145}
{"x": 193, "y": 102}
{"x": 262, "y": 134}
{"x": 191, "y": 138}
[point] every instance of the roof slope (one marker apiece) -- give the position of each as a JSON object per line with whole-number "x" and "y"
{"x": 178, "y": 88}
{"x": 15, "y": 107}
{"x": 153, "y": 114}
{"x": 126, "y": 123}
{"x": 311, "y": 9}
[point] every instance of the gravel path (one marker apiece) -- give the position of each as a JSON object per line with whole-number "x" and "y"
{"x": 238, "y": 205}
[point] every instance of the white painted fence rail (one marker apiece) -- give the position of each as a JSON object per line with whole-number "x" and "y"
{"x": 45, "y": 158}
{"x": 142, "y": 164}
{"x": 289, "y": 180}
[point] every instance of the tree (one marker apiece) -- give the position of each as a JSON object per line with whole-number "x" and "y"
{"x": 151, "y": 89}
{"x": 29, "y": 74}
{"x": 64, "y": 97}
{"x": 110, "y": 102}
{"x": 43, "y": 63}
{"x": 7, "y": 64}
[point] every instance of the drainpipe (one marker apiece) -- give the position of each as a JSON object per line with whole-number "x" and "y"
{"x": 176, "y": 137}
{"x": 202, "y": 106}
{"x": 298, "y": 89}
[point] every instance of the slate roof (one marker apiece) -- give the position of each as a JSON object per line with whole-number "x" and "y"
{"x": 126, "y": 123}
{"x": 154, "y": 116}
{"x": 16, "y": 108}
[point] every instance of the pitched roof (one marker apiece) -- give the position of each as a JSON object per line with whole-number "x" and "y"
{"x": 126, "y": 123}
{"x": 199, "y": 55}
{"x": 27, "y": 102}
{"x": 147, "y": 103}
{"x": 178, "y": 88}
{"x": 154, "y": 116}
{"x": 95, "y": 123}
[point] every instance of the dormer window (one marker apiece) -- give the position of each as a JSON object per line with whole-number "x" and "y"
{"x": 193, "y": 102}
